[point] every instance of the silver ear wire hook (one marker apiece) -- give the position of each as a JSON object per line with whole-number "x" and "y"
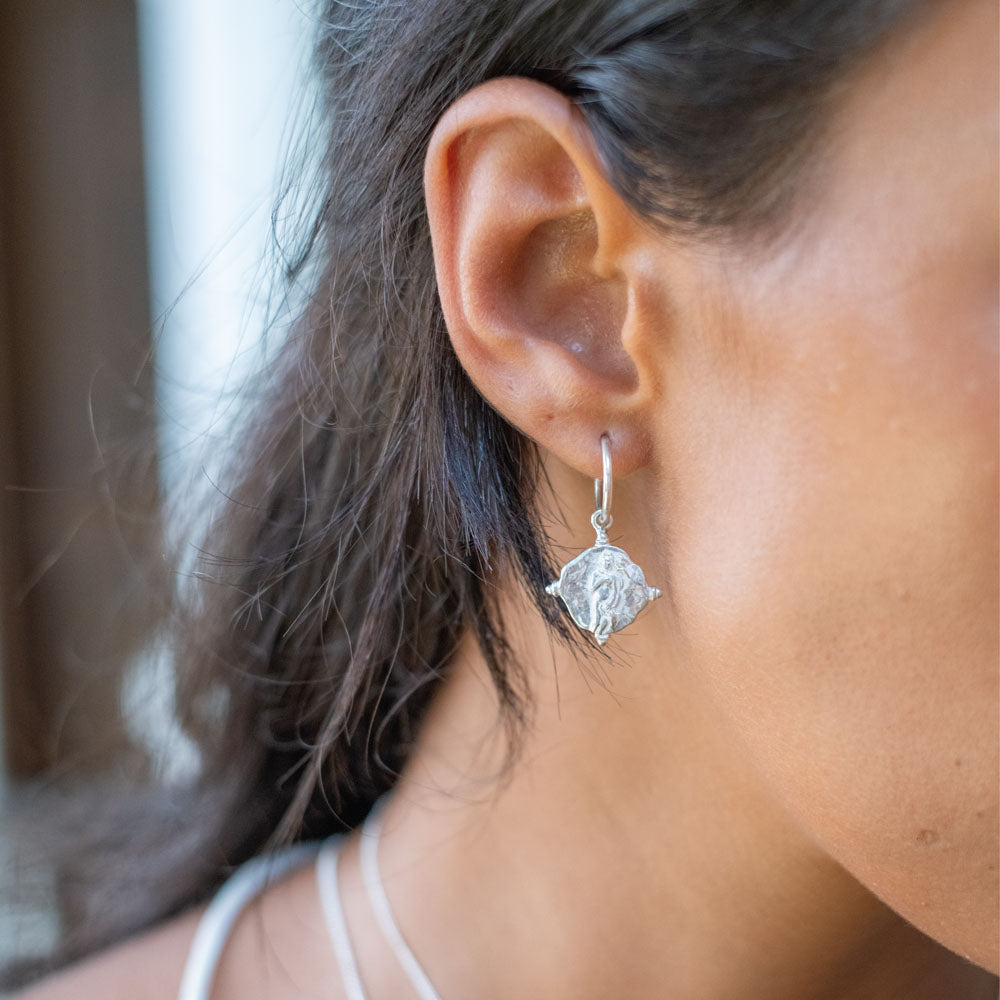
{"x": 602, "y": 588}
{"x": 601, "y": 519}
{"x": 603, "y": 486}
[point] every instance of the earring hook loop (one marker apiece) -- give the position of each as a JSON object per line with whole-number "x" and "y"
{"x": 603, "y": 486}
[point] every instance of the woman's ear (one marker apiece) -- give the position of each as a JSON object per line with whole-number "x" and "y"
{"x": 539, "y": 269}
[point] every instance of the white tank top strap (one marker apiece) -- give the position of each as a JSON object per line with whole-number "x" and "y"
{"x": 222, "y": 912}
{"x": 328, "y": 883}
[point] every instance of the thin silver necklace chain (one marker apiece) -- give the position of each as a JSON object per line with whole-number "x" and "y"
{"x": 333, "y": 912}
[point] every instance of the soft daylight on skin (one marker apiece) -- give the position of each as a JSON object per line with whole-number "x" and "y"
{"x": 835, "y": 563}
{"x": 813, "y": 431}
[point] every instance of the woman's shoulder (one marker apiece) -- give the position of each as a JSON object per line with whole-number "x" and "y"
{"x": 264, "y": 921}
{"x": 146, "y": 967}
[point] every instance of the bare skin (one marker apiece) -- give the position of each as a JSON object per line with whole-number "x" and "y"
{"x": 784, "y": 784}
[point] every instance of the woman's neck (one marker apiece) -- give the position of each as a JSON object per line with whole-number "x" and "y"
{"x": 630, "y": 851}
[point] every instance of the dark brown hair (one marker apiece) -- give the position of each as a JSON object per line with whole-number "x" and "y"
{"x": 373, "y": 492}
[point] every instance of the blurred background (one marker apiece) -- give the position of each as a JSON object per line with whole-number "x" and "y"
{"x": 141, "y": 149}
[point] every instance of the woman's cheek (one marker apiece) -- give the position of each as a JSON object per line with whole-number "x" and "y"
{"x": 834, "y": 563}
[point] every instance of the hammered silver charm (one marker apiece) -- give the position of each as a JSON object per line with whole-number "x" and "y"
{"x": 602, "y": 588}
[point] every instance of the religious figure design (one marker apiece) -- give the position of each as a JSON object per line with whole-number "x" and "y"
{"x": 603, "y": 590}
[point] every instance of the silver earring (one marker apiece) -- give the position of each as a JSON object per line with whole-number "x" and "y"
{"x": 602, "y": 588}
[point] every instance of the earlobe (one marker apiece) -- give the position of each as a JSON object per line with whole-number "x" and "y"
{"x": 532, "y": 252}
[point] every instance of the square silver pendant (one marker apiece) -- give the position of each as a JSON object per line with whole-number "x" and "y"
{"x": 603, "y": 590}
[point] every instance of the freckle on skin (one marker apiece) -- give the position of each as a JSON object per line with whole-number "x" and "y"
{"x": 958, "y": 762}
{"x": 928, "y": 837}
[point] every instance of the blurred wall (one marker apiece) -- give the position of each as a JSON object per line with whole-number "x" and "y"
{"x": 75, "y": 392}
{"x": 141, "y": 143}
{"x": 223, "y": 88}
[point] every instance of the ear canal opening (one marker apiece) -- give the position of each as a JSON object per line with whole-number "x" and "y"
{"x": 561, "y": 298}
